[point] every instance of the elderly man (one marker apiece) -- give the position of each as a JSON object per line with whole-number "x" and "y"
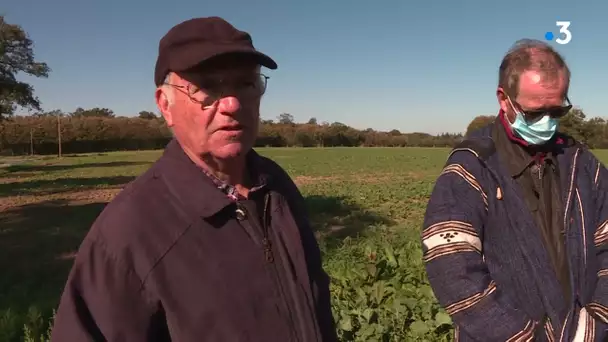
{"x": 515, "y": 230}
{"x": 213, "y": 242}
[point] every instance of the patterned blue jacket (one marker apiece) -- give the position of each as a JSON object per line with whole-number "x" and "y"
{"x": 485, "y": 258}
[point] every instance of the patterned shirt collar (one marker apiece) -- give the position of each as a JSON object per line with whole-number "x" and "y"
{"x": 259, "y": 179}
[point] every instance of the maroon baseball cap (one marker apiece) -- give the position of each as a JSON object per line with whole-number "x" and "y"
{"x": 197, "y": 40}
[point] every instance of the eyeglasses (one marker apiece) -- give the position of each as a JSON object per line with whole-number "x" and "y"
{"x": 534, "y": 115}
{"x": 208, "y": 91}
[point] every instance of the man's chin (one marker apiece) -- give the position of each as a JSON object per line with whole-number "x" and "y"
{"x": 231, "y": 150}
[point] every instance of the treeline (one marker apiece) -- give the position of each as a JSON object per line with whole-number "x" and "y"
{"x": 593, "y": 132}
{"x": 99, "y": 130}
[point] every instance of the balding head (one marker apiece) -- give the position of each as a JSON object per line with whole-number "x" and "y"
{"x": 531, "y": 55}
{"x": 532, "y": 76}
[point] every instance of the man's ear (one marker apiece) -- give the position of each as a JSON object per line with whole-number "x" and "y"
{"x": 164, "y": 104}
{"x": 502, "y": 99}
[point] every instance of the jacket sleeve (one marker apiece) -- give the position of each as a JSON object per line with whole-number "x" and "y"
{"x": 103, "y": 301}
{"x": 598, "y": 307}
{"x": 453, "y": 255}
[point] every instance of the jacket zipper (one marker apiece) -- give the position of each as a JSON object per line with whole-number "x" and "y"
{"x": 269, "y": 256}
{"x": 265, "y": 239}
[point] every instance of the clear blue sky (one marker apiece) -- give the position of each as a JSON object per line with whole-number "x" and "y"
{"x": 413, "y": 65}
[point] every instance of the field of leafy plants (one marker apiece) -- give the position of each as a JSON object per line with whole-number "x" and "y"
{"x": 366, "y": 205}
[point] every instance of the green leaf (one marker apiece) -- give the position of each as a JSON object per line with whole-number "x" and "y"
{"x": 367, "y": 314}
{"x": 419, "y": 328}
{"x": 443, "y": 318}
{"x": 390, "y": 255}
{"x": 346, "y": 324}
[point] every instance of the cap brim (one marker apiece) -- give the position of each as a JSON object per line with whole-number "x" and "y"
{"x": 192, "y": 58}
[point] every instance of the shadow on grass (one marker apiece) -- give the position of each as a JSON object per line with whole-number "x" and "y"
{"x": 334, "y": 218}
{"x": 37, "y": 244}
{"x": 67, "y": 167}
{"x": 45, "y": 187}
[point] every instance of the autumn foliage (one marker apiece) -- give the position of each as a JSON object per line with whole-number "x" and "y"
{"x": 98, "y": 130}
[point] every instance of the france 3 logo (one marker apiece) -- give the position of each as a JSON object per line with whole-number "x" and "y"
{"x": 564, "y": 35}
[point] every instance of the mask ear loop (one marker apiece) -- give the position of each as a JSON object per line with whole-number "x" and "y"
{"x": 512, "y": 107}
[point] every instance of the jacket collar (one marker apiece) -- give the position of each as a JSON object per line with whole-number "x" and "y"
{"x": 197, "y": 192}
{"x": 553, "y": 150}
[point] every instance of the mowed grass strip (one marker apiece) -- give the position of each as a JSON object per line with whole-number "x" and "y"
{"x": 362, "y": 202}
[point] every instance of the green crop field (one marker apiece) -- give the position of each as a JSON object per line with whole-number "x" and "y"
{"x": 366, "y": 205}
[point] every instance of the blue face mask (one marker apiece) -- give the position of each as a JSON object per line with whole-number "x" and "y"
{"x": 536, "y": 133}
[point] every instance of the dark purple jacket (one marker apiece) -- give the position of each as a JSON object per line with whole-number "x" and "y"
{"x": 171, "y": 258}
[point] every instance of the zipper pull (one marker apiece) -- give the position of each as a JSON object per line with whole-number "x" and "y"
{"x": 268, "y": 250}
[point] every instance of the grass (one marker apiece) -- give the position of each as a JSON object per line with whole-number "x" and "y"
{"x": 366, "y": 205}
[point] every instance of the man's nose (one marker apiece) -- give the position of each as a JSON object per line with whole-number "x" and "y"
{"x": 229, "y": 105}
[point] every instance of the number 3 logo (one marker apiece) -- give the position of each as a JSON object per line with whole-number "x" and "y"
{"x": 563, "y": 29}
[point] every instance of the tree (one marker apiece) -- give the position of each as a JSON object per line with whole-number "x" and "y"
{"x": 88, "y": 131}
{"x": 594, "y": 132}
{"x": 144, "y": 114}
{"x": 286, "y": 119}
{"x": 53, "y": 113}
{"x": 573, "y": 124}
{"x": 312, "y": 121}
{"x": 17, "y": 55}
{"x": 479, "y": 122}
{"x": 97, "y": 112}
